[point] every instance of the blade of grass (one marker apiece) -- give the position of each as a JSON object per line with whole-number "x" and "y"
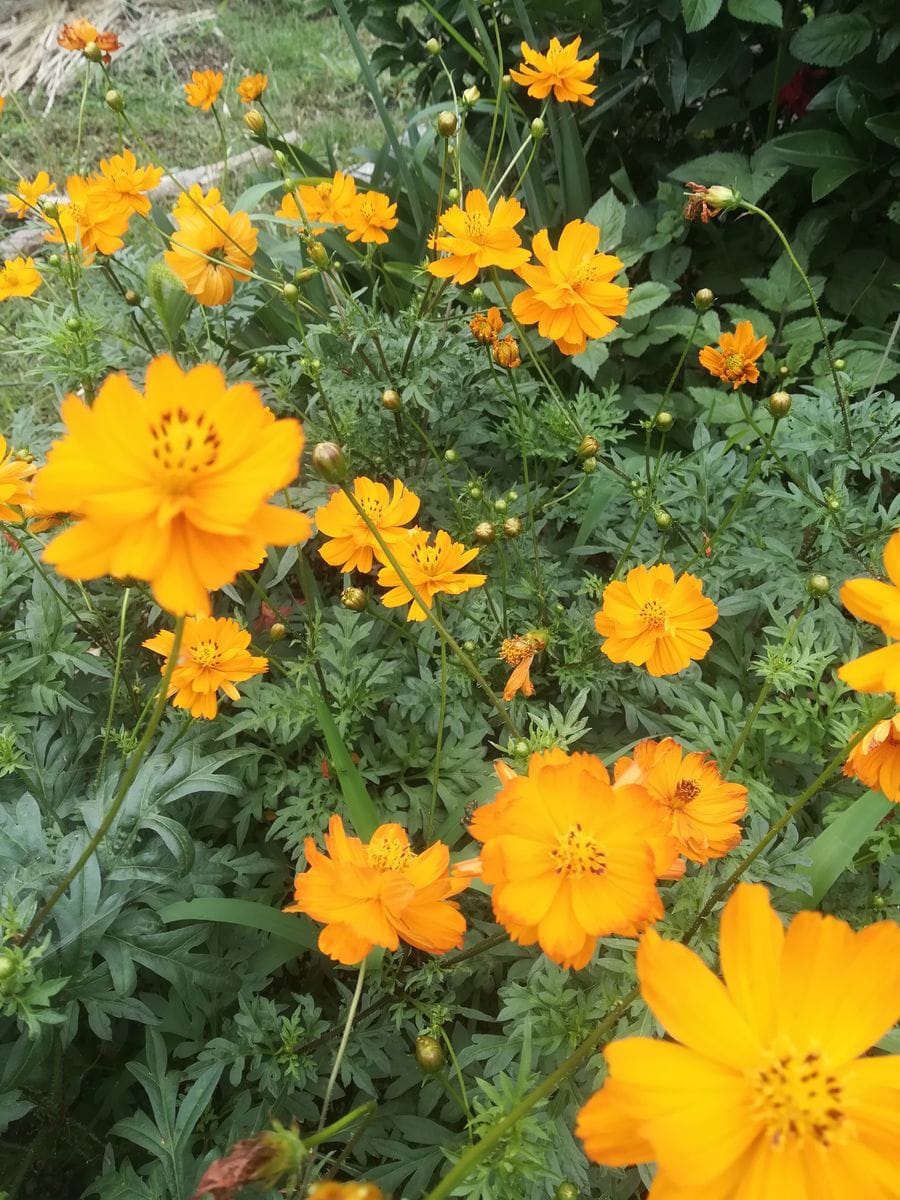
{"x": 456, "y": 35}
{"x": 363, "y": 813}
{"x": 290, "y": 927}
{"x": 833, "y": 851}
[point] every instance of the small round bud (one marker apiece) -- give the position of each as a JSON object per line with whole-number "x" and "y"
{"x": 355, "y": 599}
{"x": 589, "y": 465}
{"x": 640, "y": 493}
{"x": 512, "y": 497}
{"x": 538, "y": 128}
{"x": 818, "y": 586}
{"x": 328, "y": 461}
{"x": 520, "y": 748}
{"x": 469, "y": 647}
{"x": 500, "y": 505}
{"x": 433, "y": 46}
{"x": 73, "y": 324}
{"x": 664, "y": 421}
{"x": 588, "y": 446}
{"x": 390, "y": 399}
{"x": 92, "y": 52}
{"x": 506, "y": 82}
{"x": 784, "y": 371}
{"x": 114, "y": 100}
{"x": 471, "y": 96}
{"x": 318, "y": 255}
{"x": 429, "y": 1054}
{"x": 833, "y": 503}
{"x": 779, "y": 404}
{"x": 878, "y": 902}
{"x": 839, "y": 364}
{"x": 50, "y": 209}
{"x": 277, "y": 632}
{"x": 453, "y": 195}
{"x": 305, "y": 274}
{"x": 315, "y": 367}
{"x": 663, "y": 519}
{"x": 261, "y": 361}
{"x": 512, "y": 527}
{"x": 132, "y": 297}
{"x": 7, "y": 965}
{"x": 255, "y": 122}
{"x": 478, "y": 296}
{"x": 484, "y": 532}
{"x": 451, "y": 455}
{"x": 280, "y": 157}
{"x": 447, "y": 123}
{"x": 291, "y": 293}
{"x": 54, "y": 261}
{"x": 475, "y": 491}
{"x": 566, "y": 1190}
{"x": 703, "y": 299}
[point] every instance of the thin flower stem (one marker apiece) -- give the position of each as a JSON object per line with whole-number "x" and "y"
{"x": 529, "y": 499}
{"x": 665, "y": 396}
{"x": 342, "y": 1123}
{"x": 342, "y": 1048}
{"x": 439, "y": 745}
{"x": 117, "y": 672}
{"x": 623, "y": 557}
{"x": 497, "y": 101}
{"x": 84, "y": 92}
{"x": 224, "y": 139}
{"x": 529, "y": 141}
{"x": 432, "y": 616}
{"x": 121, "y": 793}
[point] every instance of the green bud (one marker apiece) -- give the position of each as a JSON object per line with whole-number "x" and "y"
{"x": 451, "y": 455}
{"x": 132, "y": 297}
{"x": 779, "y": 404}
{"x": 291, "y": 293}
{"x": 500, "y": 505}
{"x": 471, "y": 96}
{"x": 390, "y": 399}
{"x": 453, "y": 195}
{"x": 566, "y": 1190}
{"x": 703, "y": 299}
{"x": 433, "y": 46}
{"x": 73, "y": 324}
{"x": 329, "y": 462}
{"x": 663, "y": 519}
{"x": 469, "y": 647}
{"x": 664, "y": 421}
{"x": 475, "y": 491}
{"x": 355, "y": 599}
{"x": 429, "y": 1054}
{"x": 589, "y": 465}
{"x": 538, "y": 129}
{"x": 839, "y": 364}
{"x": 818, "y": 586}
{"x": 114, "y": 100}
{"x": 277, "y": 632}
{"x": 447, "y": 123}
{"x": 7, "y": 965}
{"x": 520, "y": 748}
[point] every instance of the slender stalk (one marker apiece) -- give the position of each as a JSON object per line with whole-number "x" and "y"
{"x": 783, "y": 38}
{"x": 439, "y": 745}
{"x": 84, "y": 92}
{"x": 529, "y": 141}
{"x": 117, "y": 671}
{"x": 342, "y": 1123}
{"x": 224, "y": 140}
{"x": 665, "y": 396}
{"x": 342, "y": 1048}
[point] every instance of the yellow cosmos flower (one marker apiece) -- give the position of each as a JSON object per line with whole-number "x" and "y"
{"x": 879, "y": 604}
{"x": 27, "y": 194}
{"x": 351, "y": 544}
{"x": 559, "y": 71}
{"x": 93, "y": 218}
{"x": 319, "y": 205}
{"x": 210, "y": 250}
{"x": 570, "y": 295}
{"x": 431, "y": 568}
{"x": 15, "y": 492}
{"x": 762, "y": 1094}
{"x": 171, "y": 485}
{"x": 213, "y": 657}
{"x": 251, "y": 87}
{"x": 203, "y": 90}
{"x": 735, "y": 360}
{"x": 475, "y": 237}
{"x": 125, "y": 183}
{"x": 19, "y": 277}
{"x": 369, "y": 218}
{"x": 875, "y": 760}
{"x": 653, "y": 620}
{"x": 195, "y": 202}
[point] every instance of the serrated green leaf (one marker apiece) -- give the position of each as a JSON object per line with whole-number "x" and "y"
{"x": 760, "y": 12}
{"x": 608, "y": 213}
{"x": 832, "y": 39}
{"x": 816, "y": 149}
{"x": 698, "y": 13}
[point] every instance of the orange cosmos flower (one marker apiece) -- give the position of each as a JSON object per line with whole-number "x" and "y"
{"x": 19, "y": 277}
{"x": 251, "y": 87}
{"x": 213, "y": 657}
{"x": 486, "y": 326}
{"x": 699, "y": 807}
{"x": 125, "y": 183}
{"x": 203, "y": 90}
{"x": 519, "y": 652}
{"x": 379, "y": 894}
{"x": 27, "y": 194}
{"x": 195, "y": 202}
{"x": 80, "y": 34}
{"x": 171, "y": 485}
{"x": 14, "y": 490}
{"x": 91, "y": 219}
{"x": 879, "y": 604}
{"x": 330, "y": 201}
{"x": 570, "y": 857}
{"x": 505, "y": 352}
{"x": 570, "y": 294}
{"x": 655, "y": 620}
{"x": 211, "y": 249}
{"x": 430, "y": 568}
{"x": 875, "y": 760}
{"x": 474, "y": 238}
{"x": 762, "y": 1094}
{"x": 735, "y": 360}
{"x": 351, "y": 544}
{"x": 369, "y": 217}
{"x": 559, "y": 70}
{"x": 356, "y": 1190}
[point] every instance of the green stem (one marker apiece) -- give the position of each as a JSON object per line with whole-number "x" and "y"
{"x": 224, "y": 139}
{"x": 783, "y": 38}
{"x": 342, "y": 1048}
{"x": 442, "y": 712}
{"x": 342, "y": 1123}
{"x": 117, "y": 671}
{"x": 665, "y": 396}
{"x": 84, "y": 92}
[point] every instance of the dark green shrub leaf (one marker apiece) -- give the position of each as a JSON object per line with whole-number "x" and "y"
{"x": 832, "y": 40}
{"x": 699, "y": 13}
{"x": 760, "y": 12}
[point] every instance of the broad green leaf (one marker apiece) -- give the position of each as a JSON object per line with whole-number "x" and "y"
{"x": 249, "y": 199}
{"x": 608, "y": 213}
{"x": 290, "y": 927}
{"x": 826, "y": 179}
{"x": 832, "y": 40}
{"x": 886, "y": 126}
{"x": 699, "y": 13}
{"x": 752, "y": 177}
{"x": 644, "y": 299}
{"x": 760, "y": 12}
{"x": 816, "y": 148}
{"x": 714, "y": 55}
{"x": 833, "y": 851}
{"x": 363, "y": 813}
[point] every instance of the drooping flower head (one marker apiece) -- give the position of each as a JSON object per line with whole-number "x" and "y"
{"x": 213, "y": 657}
{"x": 27, "y": 194}
{"x": 875, "y": 759}
{"x": 203, "y": 90}
{"x": 570, "y": 857}
{"x": 700, "y": 808}
{"x": 251, "y": 87}
{"x": 379, "y": 894}
{"x": 351, "y": 544}
{"x": 19, "y": 277}
{"x": 79, "y": 34}
{"x": 267, "y": 1159}
{"x": 369, "y": 218}
{"x": 734, "y": 361}
{"x": 519, "y": 653}
{"x": 505, "y": 352}
{"x": 560, "y": 71}
{"x": 211, "y": 248}
{"x": 879, "y": 604}
{"x": 475, "y": 236}
{"x": 170, "y": 485}
{"x": 319, "y": 205}
{"x": 763, "y": 1092}
{"x": 431, "y": 567}
{"x": 486, "y": 326}
{"x": 14, "y": 489}
{"x": 656, "y": 621}
{"x": 570, "y": 295}
{"x": 125, "y": 184}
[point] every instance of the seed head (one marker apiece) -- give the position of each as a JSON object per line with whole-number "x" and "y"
{"x": 355, "y": 599}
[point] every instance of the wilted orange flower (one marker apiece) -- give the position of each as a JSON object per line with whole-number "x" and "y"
{"x": 735, "y": 360}
{"x": 124, "y": 182}
{"x": 251, "y": 87}
{"x": 570, "y": 295}
{"x": 211, "y": 248}
{"x": 91, "y": 219}
{"x": 654, "y": 620}
{"x": 80, "y": 34}
{"x": 765, "y": 1091}
{"x": 570, "y": 857}
{"x": 474, "y": 237}
{"x": 14, "y": 490}
{"x": 213, "y": 657}
{"x": 27, "y": 194}
{"x": 351, "y": 543}
{"x": 430, "y": 568}
{"x": 700, "y": 808}
{"x": 505, "y": 352}
{"x": 19, "y": 277}
{"x": 875, "y": 760}
{"x": 330, "y": 201}
{"x": 266, "y": 1160}
{"x": 519, "y": 652}
{"x": 369, "y": 218}
{"x": 203, "y": 90}
{"x": 486, "y": 326}
{"x": 379, "y": 894}
{"x": 171, "y": 485}
{"x": 879, "y": 604}
{"x": 559, "y": 70}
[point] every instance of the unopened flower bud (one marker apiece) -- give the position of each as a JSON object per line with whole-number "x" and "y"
{"x": 520, "y": 748}
{"x": 447, "y": 123}
{"x": 433, "y": 46}
{"x": 429, "y": 1054}
{"x": 54, "y": 261}
{"x": 484, "y": 532}
{"x": 318, "y": 254}
{"x": 589, "y": 465}
{"x": 566, "y": 1190}
{"x": 305, "y": 274}
{"x": 114, "y": 100}
{"x": 453, "y": 196}
{"x": 329, "y": 462}
{"x": 7, "y": 966}
{"x": 451, "y": 455}
{"x": 779, "y": 404}
{"x": 588, "y": 446}
{"x": 390, "y": 399}
{"x": 833, "y": 503}
{"x": 50, "y": 209}
{"x": 506, "y": 82}
{"x": 500, "y": 505}
{"x": 277, "y": 631}
{"x": 878, "y": 902}
{"x": 640, "y": 493}
{"x": 538, "y": 128}
{"x": 512, "y": 527}
{"x": 280, "y": 157}
{"x": 663, "y": 519}
{"x": 720, "y": 197}
{"x": 469, "y": 647}
{"x": 818, "y": 586}
{"x": 784, "y": 371}
{"x": 355, "y": 599}
{"x": 664, "y": 421}
{"x": 703, "y": 299}
{"x": 73, "y": 324}
{"x": 512, "y": 497}
{"x": 255, "y": 122}
{"x": 132, "y": 297}
{"x": 478, "y": 296}
{"x": 839, "y": 364}
{"x": 471, "y": 96}
{"x": 92, "y": 52}
{"x": 475, "y": 491}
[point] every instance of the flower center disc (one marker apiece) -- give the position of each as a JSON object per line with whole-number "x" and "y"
{"x": 798, "y": 1098}
{"x": 388, "y": 854}
{"x": 577, "y": 853}
{"x": 686, "y": 790}
{"x": 734, "y": 363}
{"x": 653, "y": 614}
{"x": 205, "y": 654}
{"x": 184, "y": 445}
{"x": 475, "y": 226}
